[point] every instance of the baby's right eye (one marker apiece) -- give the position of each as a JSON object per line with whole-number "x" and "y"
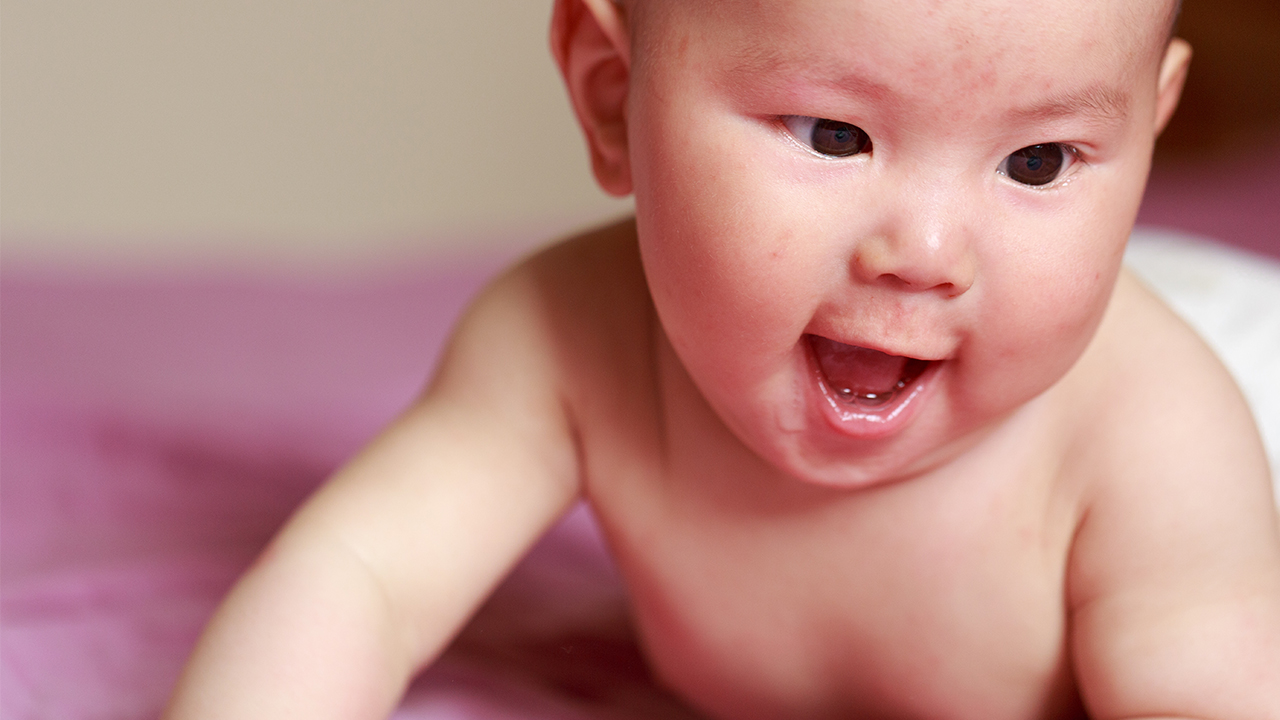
{"x": 828, "y": 137}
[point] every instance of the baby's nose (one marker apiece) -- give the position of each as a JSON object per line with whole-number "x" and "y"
{"x": 918, "y": 250}
{"x": 929, "y": 264}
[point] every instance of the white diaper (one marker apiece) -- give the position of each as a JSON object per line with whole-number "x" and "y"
{"x": 1232, "y": 298}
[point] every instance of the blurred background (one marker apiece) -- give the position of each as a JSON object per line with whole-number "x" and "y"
{"x": 282, "y": 132}
{"x": 321, "y": 134}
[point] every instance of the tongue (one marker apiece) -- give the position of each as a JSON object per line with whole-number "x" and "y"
{"x": 866, "y": 378}
{"x": 854, "y": 370}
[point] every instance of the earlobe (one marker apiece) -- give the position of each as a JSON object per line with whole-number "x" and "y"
{"x": 1173, "y": 75}
{"x": 591, "y": 46}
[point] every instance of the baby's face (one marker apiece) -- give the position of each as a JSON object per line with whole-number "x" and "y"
{"x": 951, "y": 183}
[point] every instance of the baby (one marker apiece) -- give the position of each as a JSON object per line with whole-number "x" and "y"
{"x": 871, "y": 417}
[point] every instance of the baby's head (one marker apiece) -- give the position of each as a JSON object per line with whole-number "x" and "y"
{"x": 872, "y": 228}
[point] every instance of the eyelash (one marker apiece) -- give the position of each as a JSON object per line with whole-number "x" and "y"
{"x": 1070, "y": 153}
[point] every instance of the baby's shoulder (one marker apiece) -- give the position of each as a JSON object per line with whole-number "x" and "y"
{"x": 591, "y": 293}
{"x": 1176, "y": 555}
{"x": 1164, "y": 445}
{"x": 592, "y": 281}
{"x": 1151, "y": 393}
{"x": 581, "y": 307}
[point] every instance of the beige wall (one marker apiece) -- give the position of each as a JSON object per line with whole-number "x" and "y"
{"x": 268, "y": 131}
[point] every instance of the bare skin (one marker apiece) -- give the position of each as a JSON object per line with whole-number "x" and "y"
{"x": 950, "y": 594}
{"x": 1071, "y": 513}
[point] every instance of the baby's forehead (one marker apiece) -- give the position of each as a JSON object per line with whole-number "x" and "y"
{"x": 1150, "y": 23}
{"x": 919, "y": 45}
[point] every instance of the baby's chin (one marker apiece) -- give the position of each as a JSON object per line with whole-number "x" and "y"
{"x": 860, "y": 464}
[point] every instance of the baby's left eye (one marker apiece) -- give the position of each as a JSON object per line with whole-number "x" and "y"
{"x": 1038, "y": 164}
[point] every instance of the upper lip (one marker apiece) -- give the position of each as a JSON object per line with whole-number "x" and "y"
{"x": 885, "y": 348}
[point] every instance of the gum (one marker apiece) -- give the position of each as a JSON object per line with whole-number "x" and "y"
{"x": 912, "y": 370}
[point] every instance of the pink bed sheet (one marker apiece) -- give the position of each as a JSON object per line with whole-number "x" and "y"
{"x": 1235, "y": 200}
{"x": 156, "y": 429}
{"x": 154, "y": 432}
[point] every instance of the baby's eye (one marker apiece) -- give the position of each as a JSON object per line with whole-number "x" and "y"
{"x": 828, "y": 137}
{"x": 1038, "y": 164}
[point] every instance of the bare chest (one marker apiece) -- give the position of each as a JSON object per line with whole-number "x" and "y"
{"x": 756, "y": 597}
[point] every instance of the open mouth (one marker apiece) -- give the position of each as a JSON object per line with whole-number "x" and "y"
{"x": 863, "y": 380}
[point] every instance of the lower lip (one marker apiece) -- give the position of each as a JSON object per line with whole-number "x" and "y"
{"x": 864, "y": 423}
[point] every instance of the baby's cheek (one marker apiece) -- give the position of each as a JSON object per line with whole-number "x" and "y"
{"x": 725, "y": 272}
{"x": 1030, "y": 336}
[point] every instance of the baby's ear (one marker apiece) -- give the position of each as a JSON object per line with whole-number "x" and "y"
{"x": 591, "y": 45}
{"x": 1173, "y": 74}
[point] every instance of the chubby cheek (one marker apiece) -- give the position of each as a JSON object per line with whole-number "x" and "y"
{"x": 725, "y": 273}
{"x": 724, "y": 306}
{"x": 1047, "y": 306}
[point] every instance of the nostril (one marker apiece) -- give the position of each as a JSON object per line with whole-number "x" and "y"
{"x": 946, "y": 269}
{"x": 892, "y": 281}
{"x": 945, "y": 288}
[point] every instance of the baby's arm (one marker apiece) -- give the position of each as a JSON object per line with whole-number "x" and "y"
{"x": 1175, "y": 578}
{"x": 374, "y": 574}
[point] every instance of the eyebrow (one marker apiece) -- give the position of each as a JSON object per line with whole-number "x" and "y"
{"x": 1098, "y": 102}
{"x": 758, "y": 60}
